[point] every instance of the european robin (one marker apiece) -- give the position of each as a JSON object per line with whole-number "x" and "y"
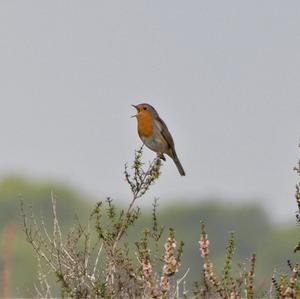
{"x": 155, "y": 134}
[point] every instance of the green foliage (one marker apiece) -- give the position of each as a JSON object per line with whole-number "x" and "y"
{"x": 226, "y": 281}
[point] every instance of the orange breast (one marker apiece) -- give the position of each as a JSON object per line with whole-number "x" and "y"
{"x": 145, "y": 123}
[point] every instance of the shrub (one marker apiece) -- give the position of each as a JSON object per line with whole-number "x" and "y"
{"x": 94, "y": 260}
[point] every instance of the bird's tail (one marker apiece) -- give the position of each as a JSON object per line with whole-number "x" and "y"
{"x": 178, "y": 164}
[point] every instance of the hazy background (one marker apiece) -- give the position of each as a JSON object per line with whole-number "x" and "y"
{"x": 224, "y": 75}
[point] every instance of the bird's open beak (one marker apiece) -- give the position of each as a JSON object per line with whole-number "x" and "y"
{"x": 136, "y": 107}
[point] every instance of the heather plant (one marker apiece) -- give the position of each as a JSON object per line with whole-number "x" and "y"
{"x": 287, "y": 285}
{"x": 297, "y": 197}
{"x": 227, "y": 285}
{"x": 89, "y": 265}
{"x": 95, "y": 260}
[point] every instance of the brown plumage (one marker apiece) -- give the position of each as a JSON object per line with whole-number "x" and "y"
{"x": 155, "y": 134}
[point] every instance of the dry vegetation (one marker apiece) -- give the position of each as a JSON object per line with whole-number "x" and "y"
{"x": 94, "y": 261}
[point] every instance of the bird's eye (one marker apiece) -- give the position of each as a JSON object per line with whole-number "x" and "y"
{"x": 145, "y": 108}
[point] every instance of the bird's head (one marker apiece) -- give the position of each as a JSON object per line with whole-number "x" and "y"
{"x": 144, "y": 109}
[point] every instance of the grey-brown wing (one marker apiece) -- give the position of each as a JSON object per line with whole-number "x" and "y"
{"x": 165, "y": 133}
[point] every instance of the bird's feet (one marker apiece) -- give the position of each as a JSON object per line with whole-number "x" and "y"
{"x": 161, "y": 156}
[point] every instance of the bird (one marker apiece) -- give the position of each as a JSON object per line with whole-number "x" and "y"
{"x": 155, "y": 135}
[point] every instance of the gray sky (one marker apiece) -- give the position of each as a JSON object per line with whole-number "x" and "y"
{"x": 224, "y": 75}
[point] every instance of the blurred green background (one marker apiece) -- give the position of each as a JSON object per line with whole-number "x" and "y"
{"x": 255, "y": 231}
